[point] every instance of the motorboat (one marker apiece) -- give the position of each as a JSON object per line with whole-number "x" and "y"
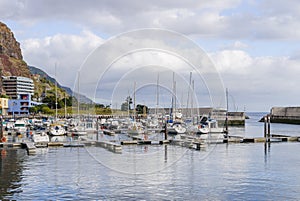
{"x": 135, "y": 128}
{"x": 78, "y": 131}
{"x": 176, "y": 127}
{"x": 20, "y": 126}
{"x": 57, "y": 129}
{"x": 40, "y": 137}
{"x": 208, "y": 125}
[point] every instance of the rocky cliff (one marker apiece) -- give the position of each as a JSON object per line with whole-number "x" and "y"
{"x": 11, "y": 60}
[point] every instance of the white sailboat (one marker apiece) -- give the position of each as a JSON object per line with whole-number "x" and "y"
{"x": 175, "y": 125}
{"x": 135, "y": 128}
{"x": 56, "y": 129}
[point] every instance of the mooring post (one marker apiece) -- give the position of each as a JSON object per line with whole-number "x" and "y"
{"x": 166, "y": 133}
{"x": 269, "y": 128}
{"x": 265, "y": 127}
{"x": 1, "y": 127}
{"x": 97, "y": 129}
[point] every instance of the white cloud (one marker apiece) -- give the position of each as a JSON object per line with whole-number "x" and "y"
{"x": 67, "y": 51}
{"x": 225, "y": 19}
{"x": 259, "y": 82}
{"x": 235, "y": 21}
{"x": 232, "y": 61}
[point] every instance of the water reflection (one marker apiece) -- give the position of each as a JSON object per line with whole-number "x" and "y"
{"x": 239, "y": 171}
{"x": 267, "y": 148}
{"x": 11, "y": 171}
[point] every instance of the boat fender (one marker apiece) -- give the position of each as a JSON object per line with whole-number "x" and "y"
{"x": 3, "y": 139}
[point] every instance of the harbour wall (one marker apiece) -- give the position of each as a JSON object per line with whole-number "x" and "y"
{"x": 289, "y": 115}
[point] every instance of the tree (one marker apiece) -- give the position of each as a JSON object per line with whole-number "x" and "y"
{"x": 141, "y": 109}
{"x": 99, "y": 106}
{"x": 50, "y": 101}
{"x": 4, "y": 96}
{"x": 68, "y": 101}
{"x": 126, "y": 105}
{"x": 41, "y": 109}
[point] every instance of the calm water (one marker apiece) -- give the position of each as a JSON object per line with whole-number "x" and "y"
{"x": 220, "y": 172}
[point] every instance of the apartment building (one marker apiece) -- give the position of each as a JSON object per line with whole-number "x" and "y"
{"x": 21, "y": 105}
{"x": 14, "y": 86}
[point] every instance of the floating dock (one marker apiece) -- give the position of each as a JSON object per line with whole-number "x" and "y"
{"x": 30, "y": 147}
{"x": 188, "y": 141}
{"x": 113, "y": 147}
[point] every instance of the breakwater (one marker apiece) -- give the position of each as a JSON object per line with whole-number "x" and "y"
{"x": 288, "y": 115}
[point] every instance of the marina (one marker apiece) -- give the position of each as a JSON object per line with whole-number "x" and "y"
{"x": 152, "y": 100}
{"x": 221, "y": 171}
{"x": 66, "y": 134}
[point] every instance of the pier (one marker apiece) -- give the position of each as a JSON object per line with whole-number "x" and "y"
{"x": 185, "y": 140}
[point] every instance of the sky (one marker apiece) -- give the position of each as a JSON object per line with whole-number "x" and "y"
{"x": 254, "y": 45}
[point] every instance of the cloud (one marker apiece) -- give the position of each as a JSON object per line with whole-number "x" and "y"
{"x": 246, "y": 36}
{"x": 66, "y": 51}
{"x": 259, "y": 82}
{"x": 236, "y": 45}
{"x": 226, "y": 19}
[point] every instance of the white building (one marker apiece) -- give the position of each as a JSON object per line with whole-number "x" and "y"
{"x": 14, "y": 86}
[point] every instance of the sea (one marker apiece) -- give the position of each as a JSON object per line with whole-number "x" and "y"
{"x": 234, "y": 171}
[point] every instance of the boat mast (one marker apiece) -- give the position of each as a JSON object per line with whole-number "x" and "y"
{"x": 226, "y": 120}
{"x": 192, "y": 98}
{"x": 55, "y": 95}
{"x": 157, "y": 94}
{"x": 128, "y": 101}
{"x": 78, "y": 96}
{"x": 65, "y": 106}
{"x": 188, "y": 97}
{"x": 134, "y": 112}
{"x": 173, "y": 97}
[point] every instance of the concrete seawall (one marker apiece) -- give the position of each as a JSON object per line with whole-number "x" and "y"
{"x": 289, "y": 115}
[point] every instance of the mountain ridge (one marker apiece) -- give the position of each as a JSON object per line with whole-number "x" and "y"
{"x": 37, "y": 71}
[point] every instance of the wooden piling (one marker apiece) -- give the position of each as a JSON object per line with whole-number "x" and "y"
{"x": 166, "y": 132}
{"x": 265, "y": 127}
{"x": 269, "y": 128}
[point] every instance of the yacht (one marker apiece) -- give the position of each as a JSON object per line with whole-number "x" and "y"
{"x": 57, "y": 129}
{"x": 20, "y": 126}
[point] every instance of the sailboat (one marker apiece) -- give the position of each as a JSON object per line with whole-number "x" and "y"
{"x": 135, "y": 128}
{"x": 175, "y": 124}
{"x": 56, "y": 128}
